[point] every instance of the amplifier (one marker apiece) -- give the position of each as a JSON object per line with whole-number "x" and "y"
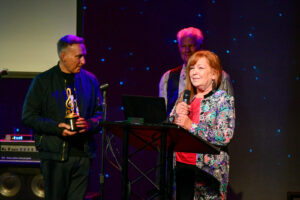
{"x": 18, "y": 150}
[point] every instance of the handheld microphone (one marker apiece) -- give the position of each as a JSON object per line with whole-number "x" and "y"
{"x": 186, "y": 96}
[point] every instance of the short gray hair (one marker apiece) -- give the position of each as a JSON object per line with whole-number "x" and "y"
{"x": 193, "y": 32}
{"x": 66, "y": 41}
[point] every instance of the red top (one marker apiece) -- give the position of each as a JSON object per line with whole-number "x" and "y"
{"x": 190, "y": 158}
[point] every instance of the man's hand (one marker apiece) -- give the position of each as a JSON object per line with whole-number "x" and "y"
{"x": 82, "y": 125}
{"x": 66, "y": 131}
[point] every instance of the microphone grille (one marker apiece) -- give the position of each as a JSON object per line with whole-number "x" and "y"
{"x": 186, "y": 96}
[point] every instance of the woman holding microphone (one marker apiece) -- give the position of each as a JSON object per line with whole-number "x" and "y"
{"x": 211, "y": 116}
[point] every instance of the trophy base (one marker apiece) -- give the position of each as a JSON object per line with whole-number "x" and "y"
{"x": 72, "y": 122}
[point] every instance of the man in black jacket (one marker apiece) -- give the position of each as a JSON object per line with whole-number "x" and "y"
{"x": 65, "y": 88}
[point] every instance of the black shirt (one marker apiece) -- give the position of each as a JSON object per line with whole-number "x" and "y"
{"x": 76, "y": 142}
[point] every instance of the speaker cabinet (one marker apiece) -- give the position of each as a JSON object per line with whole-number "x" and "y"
{"x": 21, "y": 181}
{"x": 293, "y": 196}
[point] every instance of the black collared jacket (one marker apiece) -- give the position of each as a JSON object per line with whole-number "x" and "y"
{"x": 44, "y": 108}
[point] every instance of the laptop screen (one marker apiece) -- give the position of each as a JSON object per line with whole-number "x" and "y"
{"x": 144, "y": 109}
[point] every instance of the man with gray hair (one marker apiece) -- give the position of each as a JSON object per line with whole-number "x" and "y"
{"x": 63, "y": 107}
{"x": 173, "y": 81}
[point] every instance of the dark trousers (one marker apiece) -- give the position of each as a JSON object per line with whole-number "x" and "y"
{"x": 188, "y": 178}
{"x": 66, "y": 180}
{"x": 185, "y": 181}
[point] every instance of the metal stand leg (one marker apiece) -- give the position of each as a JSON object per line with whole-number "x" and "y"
{"x": 102, "y": 176}
{"x": 170, "y": 172}
{"x": 162, "y": 181}
{"x": 125, "y": 192}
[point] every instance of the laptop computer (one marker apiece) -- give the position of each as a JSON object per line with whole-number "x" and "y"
{"x": 144, "y": 109}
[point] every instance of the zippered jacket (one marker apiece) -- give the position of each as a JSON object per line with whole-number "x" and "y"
{"x": 44, "y": 108}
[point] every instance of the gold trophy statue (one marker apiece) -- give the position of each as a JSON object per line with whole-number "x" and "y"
{"x": 71, "y": 112}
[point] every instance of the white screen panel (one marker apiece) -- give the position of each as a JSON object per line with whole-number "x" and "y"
{"x": 30, "y": 30}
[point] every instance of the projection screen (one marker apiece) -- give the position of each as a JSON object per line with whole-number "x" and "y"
{"x": 30, "y": 30}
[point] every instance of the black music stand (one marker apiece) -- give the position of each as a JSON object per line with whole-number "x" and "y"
{"x": 168, "y": 137}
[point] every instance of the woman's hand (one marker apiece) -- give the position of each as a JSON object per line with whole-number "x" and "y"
{"x": 184, "y": 121}
{"x": 182, "y": 108}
